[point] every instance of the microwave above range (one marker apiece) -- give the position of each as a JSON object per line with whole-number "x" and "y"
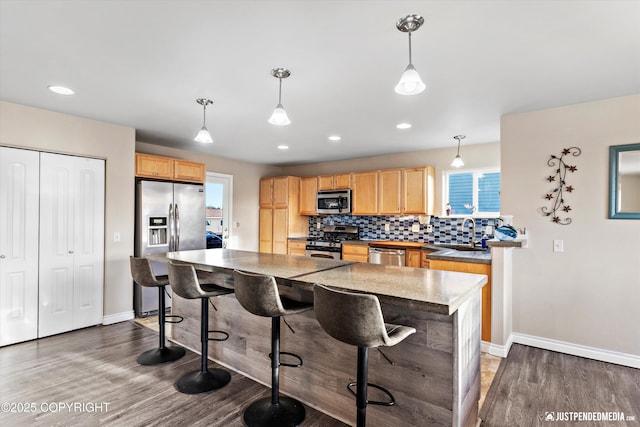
{"x": 333, "y": 202}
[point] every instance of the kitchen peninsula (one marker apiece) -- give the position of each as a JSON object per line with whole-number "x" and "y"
{"x": 435, "y": 375}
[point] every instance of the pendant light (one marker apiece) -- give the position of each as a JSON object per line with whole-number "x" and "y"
{"x": 410, "y": 82}
{"x": 279, "y": 116}
{"x": 203, "y": 135}
{"x": 457, "y": 161}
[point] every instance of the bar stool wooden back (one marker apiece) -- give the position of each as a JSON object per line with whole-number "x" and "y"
{"x": 356, "y": 319}
{"x": 259, "y": 295}
{"x": 142, "y": 274}
{"x": 184, "y": 282}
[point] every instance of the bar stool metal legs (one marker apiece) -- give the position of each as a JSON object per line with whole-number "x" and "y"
{"x": 163, "y": 353}
{"x": 277, "y": 410}
{"x": 204, "y": 380}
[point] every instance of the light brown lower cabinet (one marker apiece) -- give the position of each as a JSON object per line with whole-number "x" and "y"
{"x": 412, "y": 257}
{"x": 297, "y": 247}
{"x": 470, "y": 267}
{"x": 355, "y": 252}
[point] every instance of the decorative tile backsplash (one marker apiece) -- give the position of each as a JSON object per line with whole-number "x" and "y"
{"x": 445, "y": 230}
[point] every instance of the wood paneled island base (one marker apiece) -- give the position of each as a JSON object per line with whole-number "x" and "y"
{"x": 435, "y": 376}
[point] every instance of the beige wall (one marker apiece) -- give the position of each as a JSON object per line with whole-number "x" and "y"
{"x": 246, "y": 177}
{"x": 37, "y": 129}
{"x": 474, "y": 156}
{"x": 589, "y": 294}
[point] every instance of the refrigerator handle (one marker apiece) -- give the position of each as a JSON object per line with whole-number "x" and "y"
{"x": 177, "y": 228}
{"x": 171, "y": 234}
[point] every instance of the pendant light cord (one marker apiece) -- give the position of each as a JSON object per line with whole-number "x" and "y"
{"x": 280, "y": 91}
{"x": 204, "y": 114}
{"x": 410, "y": 47}
{"x": 458, "y": 154}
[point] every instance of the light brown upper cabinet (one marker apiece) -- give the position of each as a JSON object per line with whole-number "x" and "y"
{"x": 159, "y": 167}
{"x": 418, "y": 188}
{"x": 334, "y": 182}
{"x": 364, "y": 197}
{"x": 308, "y": 190}
{"x": 274, "y": 192}
{"x": 389, "y": 191}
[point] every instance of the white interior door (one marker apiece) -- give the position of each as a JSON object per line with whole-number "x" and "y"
{"x": 19, "y": 170}
{"x": 71, "y": 243}
{"x": 219, "y": 190}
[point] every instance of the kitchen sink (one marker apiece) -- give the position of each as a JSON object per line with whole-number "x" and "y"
{"x": 456, "y": 247}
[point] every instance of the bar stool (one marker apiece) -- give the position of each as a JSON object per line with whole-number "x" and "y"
{"x": 143, "y": 275}
{"x": 259, "y": 295}
{"x": 356, "y": 319}
{"x": 184, "y": 282}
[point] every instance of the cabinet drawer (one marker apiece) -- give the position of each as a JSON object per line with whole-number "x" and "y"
{"x": 357, "y": 253}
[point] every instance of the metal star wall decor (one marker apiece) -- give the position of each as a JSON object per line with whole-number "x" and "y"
{"x": 556, "y": 196}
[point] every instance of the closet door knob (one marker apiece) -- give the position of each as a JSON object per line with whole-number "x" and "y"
{"x": 70, "y": 252}
{"x": 2, "y": 256}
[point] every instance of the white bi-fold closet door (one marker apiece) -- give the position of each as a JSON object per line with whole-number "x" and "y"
{"x": 71, "y": 266}
{"x": 19, "y": 199}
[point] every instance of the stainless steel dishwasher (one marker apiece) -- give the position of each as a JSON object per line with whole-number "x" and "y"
{"x": 386, "y": 256}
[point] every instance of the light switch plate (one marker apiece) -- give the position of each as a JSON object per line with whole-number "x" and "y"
{"x": 558, "y": 246}
{"x": 489, "y": 229}
{"x": 429, "y": 228}
{"x": 415, "y": 228}
{"x": 116, "y": 236}
{"x": 386, "y": 227}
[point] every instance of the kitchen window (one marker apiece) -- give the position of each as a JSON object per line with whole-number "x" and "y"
{"x": 471, "y": 192}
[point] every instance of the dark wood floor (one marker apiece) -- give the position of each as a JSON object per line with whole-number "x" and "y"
{"x": 532, "y": 382}
{"x": 99, "y": 365}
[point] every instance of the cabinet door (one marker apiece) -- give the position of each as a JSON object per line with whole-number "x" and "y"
{"x": 19, "y": 183}
{"x": 412, "y": 258}
{"x": 266, "y": 192}
{"x": 71, "y": 243}
{"x": 342, "y": 181}
{"x": 280, "y": 192}
{"x": 154, "y": 166}
{"x": 189, "y": 171}
{"x": 325, "y": 182}
{"x": 266, "y": 230}
{"x": 418, "y": 189}
{"x": 280, "y": 230}
{"x": 390, "y": 190}
{"x": 308, "y": 191}
{"x": 365, "y": 193}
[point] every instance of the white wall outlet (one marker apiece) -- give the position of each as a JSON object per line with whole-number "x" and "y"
{"x": 558, "y": 246}
{"x": 236, "y": 224}
{"x": 386, "y": 227}
{"x": 415, "y": 228}
{"x": 429, "y": 228}
{"x": 488, "y": 229}
{"x": 318, "y": 225}
{"x": 116, "y": 236}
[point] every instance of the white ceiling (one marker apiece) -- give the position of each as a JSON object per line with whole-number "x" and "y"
{"x": 143, "y": 63}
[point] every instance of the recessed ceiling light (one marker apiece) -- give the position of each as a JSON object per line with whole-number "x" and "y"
{"x": 334, "y": 138}
{"x": 403, "y": 125}
{"x": 283, "y": 147}
{"x": 61, "y": 90}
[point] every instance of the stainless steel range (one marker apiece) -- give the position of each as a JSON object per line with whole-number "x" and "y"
{"x": 330, "y": 244}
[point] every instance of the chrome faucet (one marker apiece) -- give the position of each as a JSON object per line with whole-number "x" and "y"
{"x": 473, "y": 229}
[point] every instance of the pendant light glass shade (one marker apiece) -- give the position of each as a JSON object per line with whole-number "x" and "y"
{"x": 279, "y": 116}
{"x": 457, "y": 161}
{"x": 410, "y": 82}
{"x": 203, "y": 135}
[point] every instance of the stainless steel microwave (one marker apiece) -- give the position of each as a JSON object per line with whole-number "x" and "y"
{"x": 333, "y": 202}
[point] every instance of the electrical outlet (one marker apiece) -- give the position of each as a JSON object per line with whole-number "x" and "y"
{"x": 386, "y": 227}
{"x": 488, "y": 229}
{"x": 558, "y": 246}
{"x": 318, "y": 225}
{"x": 429, "y": 228}
{"x": 116, "y": 236}
{"x": 415, "y": 228}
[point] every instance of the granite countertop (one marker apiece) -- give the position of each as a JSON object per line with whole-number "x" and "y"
{"x": 429, "y": 290}
{"x": 449, "y": 254}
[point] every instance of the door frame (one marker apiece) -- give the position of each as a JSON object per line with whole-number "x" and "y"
{"x": 227, "y": 203}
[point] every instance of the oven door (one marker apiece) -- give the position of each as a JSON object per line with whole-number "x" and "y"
{"x": 329, "y": 253}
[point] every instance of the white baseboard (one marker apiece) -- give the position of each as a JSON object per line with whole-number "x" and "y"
{"x": 498, "y": 350}
{"x": 623, "y": 359}
{"x": 118, "y": 317}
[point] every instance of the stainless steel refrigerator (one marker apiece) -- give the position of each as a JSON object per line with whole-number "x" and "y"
{"x": 169, "y": 217}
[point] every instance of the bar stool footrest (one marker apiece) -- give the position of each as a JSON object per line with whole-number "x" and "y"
{"x": 391, "y": 401}
{"x": 287, "y": 412}
{"x": 173, "y": 318}
{"x": 289, "y": 365}
{"x": 213, "y": 331}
